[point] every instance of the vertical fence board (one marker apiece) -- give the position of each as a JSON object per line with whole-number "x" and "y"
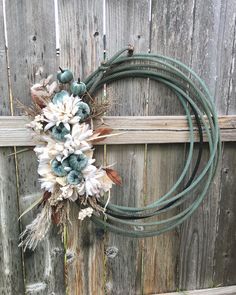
{"x": 127, "y": 23}
{"x": 171, "y": 31}
{"x": 210, "y": 53}
{"x": 81, "y": 50}
{"x": 196, "y": 235}
{"x": 31, "y": 40}
{"x": 11, "y": 271}
{"x": 225, "y": 94}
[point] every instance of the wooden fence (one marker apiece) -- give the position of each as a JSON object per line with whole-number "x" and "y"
{"x": 200, "y": 253}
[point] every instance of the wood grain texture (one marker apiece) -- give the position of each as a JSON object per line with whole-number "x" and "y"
{"x": 126, "y": 23}
{"x": 129, "y": 130}
{"x": 197, "y": 234}
{"x": 212, "y": 291}
{"x": 171, "y": 31}
{"x": 224, "y": 258}
{"x": 11, "y": 270}
{"x": 81, "y": 50}
{"x": 31, "y": 41}
{"x": 225, "y": 261}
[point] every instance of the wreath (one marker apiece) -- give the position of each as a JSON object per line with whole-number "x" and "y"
{"x": 64, "y": 134}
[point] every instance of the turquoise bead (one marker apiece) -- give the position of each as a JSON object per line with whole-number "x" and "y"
{"x": 78, "y": 162}
{"x": 78, "y": 88}
{"x": 74, "y": 177}
{"x": 83, "y": 110}
{"x": 65, "y": 76}
{"x": 58, "y": 97}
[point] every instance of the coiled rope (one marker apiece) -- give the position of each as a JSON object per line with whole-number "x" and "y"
{"x": 195, "y": 98}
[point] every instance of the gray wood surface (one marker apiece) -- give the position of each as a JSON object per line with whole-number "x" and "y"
{"x": 169, "y": 26}
{"x": 123, "y": 27}
{"x": 212, "y": 291}
{"x": 31, "y": 41}
{"x": 11, "y": 270}
{"x": 225, "y": 94}
{"x": 197, "y": 235}
{"x": 81, "y": 50}
{"x": 200, "y": 254}
{"x": 126, "y": 130}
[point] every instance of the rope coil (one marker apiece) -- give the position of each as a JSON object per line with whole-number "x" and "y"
{"x": 195, "y": 98}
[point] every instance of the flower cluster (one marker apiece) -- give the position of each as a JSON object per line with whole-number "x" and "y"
{"x": 64, "y": 150}
{"x": 65, "y": 154}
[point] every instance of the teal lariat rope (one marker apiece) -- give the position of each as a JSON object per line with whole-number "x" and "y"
{"x": 195, "y": 99}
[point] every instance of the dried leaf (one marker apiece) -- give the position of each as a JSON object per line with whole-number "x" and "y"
{"x": 46, "y": 196}
{"x": 100, "y": 132}
{"x": 113, "y": 175}
{"x": 55, "y": 216}
{"x": 36, "y": 99}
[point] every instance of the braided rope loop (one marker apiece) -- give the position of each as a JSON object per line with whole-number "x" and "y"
{"x": 196, "y": 100}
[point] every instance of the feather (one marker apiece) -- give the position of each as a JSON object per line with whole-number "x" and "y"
{"x": 113, "y": 175}
{"x": 100, "y": 132}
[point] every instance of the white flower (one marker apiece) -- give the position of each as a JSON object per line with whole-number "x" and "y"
{"x": 95, "y": 182}
{"x": 62, "y": 112}
{"x": 85, "y": 212}
{"x": 68, "y": 192}
{"x": 77, "y": 139}
{"x": 106, "y": 184}
{"x": 36, "y": 124}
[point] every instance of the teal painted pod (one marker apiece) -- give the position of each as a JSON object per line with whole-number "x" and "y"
{"x": 78, "y": 162}
{"x": 58, "y": 97}
{"x": 58, "y": 169}
{"x": 78, "y": 88}
{"x": 74, "y": 177}
{"x": 59, "y": 132}
{"x": 64, "y": 76}
{"x": 83, "y": 110}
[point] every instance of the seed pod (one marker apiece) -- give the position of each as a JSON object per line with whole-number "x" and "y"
{"x": 78, "y": 88}
{"x": 64, "y": 76}
{"x": 58, "y": 97}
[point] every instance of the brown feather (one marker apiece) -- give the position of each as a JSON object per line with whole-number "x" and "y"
{"x": 113, "y": 175}
{"x": 101, "y": 132}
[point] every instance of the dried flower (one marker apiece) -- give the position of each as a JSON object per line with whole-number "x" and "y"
{"x": 74, "y": 177}
{"x": 87, "y": 212}
{"x": 62, "y": 112}
{"x": 59, "y": 132}
{"x": 83, "y": 110}
{"x": 78, "y": 162}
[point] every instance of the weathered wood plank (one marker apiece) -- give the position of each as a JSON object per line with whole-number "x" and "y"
{"x": 198, "y": 234}
{"x": 224, "y": 258}
{"x": 171, "y": 32}
{"x": 127, "y": 23}
{"x": 213, "y": 291}
{"x": 81, "y": 50}
{"x": 11, "y": 270}
{"x": 225, "y": 262}
{"x": 176, "y": 123}
{"x": 134, "y": 130}
{"x": 31, "y": 40}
